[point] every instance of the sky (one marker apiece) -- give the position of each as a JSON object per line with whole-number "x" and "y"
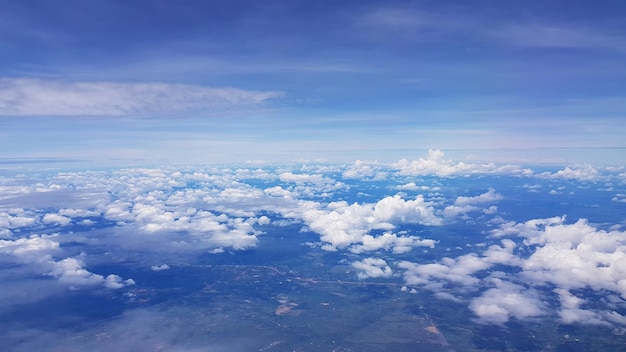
{"x": 149, "y": 82}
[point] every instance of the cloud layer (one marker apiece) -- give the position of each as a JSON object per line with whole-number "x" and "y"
{"x": 465, "y": 240}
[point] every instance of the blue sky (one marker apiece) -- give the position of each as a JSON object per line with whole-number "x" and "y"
{"x": 196, "y": 81}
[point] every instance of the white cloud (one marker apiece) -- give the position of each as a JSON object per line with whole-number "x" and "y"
{"x": 571, "y": 312}
{"x": 497, "y": 305}
{"x": 365, "y": 170}
{"x": 341, "y": 225}
{"x": 304, "y": 178}
{"x": 577, "y": 256}
{"x": 13, "y": 221}
{"x": 411, "y": 186}
{"x": 372, "y": 268}
{"x": 584, "y": 173}
{"x": 464, "y": 205}
{"x": 433, "y": 165}
{"x": 388, "y": 240}
{"x": 36, "y": 97}
{"x": 159, "y": 267}
{"x": 571, "y": 257}
{"x": 32, "y": 249}
{"x": 436, "y": 165}
{"x": 502, "y": 254}
{"x": 278, "y": 191}
{"x": 56, "y": 219}
{"x": 620, "y": 197}
{"x": 459, "y": 271}
{"x": 487, "y": 197}
{"x": 72, "y": 272}
{"x": 37, "y": 251}
{"x": 115, "y": 282}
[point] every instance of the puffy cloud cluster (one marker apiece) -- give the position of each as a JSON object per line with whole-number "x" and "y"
{"x": 458, "y": 271}
{"x": 584, "y": 173}
{"x": 72, "y": 272}
{"x": 304, "y": 178}
{"x": 37, "y": 252}
{"x": 571, "y": 311}
{"x": 341, "y": 224}
{"x": 391, "y": 241}
{"x": 365, "y": 170}
{"x": 204, "y": 227}
{"x": 464, "y": 205}
{"x": 29, "y": 249}
{"x": 15, "y": 219}
{"x": 550, "y": 253}
{"x": 372, "y": 268}
{"x": 620, "y": 197}
{"x": 497, "y": 305}
{"x": 56, "y": 219}
{"x": 310, "y": 185}
{"x": 435, "y": 164}
{"x": 572, "y": 256}
{"x": 411, "y": 186}
{"x": 159, "y": 267}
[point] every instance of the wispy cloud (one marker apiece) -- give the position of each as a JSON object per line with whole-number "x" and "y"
{"x": 507, "y": 30}
{"x": 36, "y": 97}
{"x": 558, "y": 36}
{"x": 394, "y": 18}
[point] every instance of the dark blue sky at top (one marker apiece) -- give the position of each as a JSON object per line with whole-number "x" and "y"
{"x": 449, "y": 37}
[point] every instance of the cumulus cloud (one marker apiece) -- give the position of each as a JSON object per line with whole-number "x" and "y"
{"x": 365, "y": 170}
{"x": 571, "y": 311}
{"x": 32, "y": 249}
{"x": 584, "y": 173}
{"x": 304, "y": 178}
{"x": 459, "y": 271}
{"x": 464, "y": 205}
{"x": 388, "y": 240}
{"x": 411, "y": 186}
{"x": 16, "y": 219}
{"x": 341, "y": 224}
{"x": 497, "y": 305}
{"x": 37, "y": 251}
{"x": 620, "y": 197}
{"x": 372, "y": 268}
{"x": 570, "y": 257}
{"x": 435, "y": 164}
{"x": 159, "y": 267}
{"x": 575, "y": 255}
{"x": 72, "y": 272}
{"x": 37, "y": 97}
{"x": 487, "y": 197}
{"x": 56, "y": 219}
{"x": 163, "y": 215}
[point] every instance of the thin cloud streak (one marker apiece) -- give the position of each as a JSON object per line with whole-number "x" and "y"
{"x": 36, "y": 97}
